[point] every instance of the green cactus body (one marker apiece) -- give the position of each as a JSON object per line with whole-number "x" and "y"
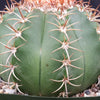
{"x": 54, "y": 53}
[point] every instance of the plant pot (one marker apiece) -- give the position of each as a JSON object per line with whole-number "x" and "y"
{"x": 21, "y": 97}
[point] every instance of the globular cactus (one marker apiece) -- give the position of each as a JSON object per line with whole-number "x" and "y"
{"x": 50, "y": 47}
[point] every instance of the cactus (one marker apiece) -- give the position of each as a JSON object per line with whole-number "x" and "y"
{"x": 51, "y": 47}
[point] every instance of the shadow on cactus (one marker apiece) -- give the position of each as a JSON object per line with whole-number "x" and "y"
{"x": 51, "y": 48}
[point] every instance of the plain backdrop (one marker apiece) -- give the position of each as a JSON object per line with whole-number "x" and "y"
{"x": 94, "y": 3}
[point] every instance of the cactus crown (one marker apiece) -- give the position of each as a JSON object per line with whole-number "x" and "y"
{"x": 48, "y": 45}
